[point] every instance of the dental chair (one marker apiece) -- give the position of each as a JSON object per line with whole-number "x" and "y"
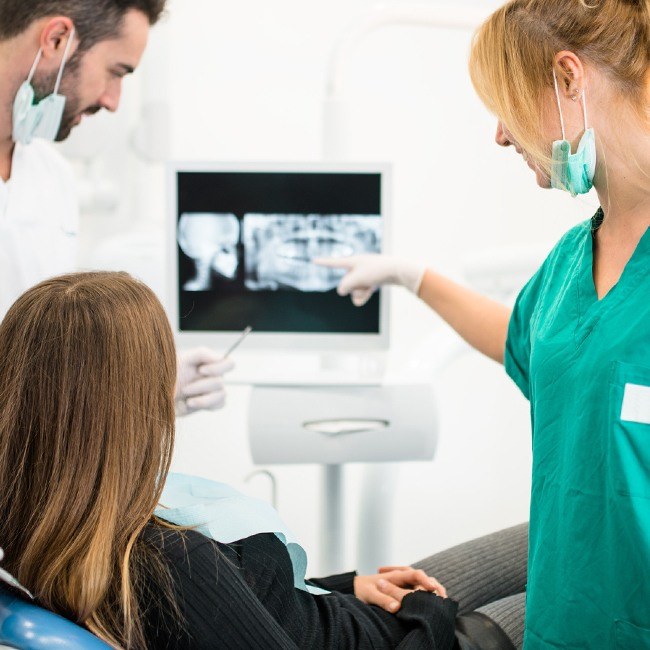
{"x": 26, "y": 626}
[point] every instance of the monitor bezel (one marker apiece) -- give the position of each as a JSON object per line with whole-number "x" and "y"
{"x": 276, "y": 340}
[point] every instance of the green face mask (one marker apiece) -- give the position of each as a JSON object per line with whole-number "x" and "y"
{"x": 573, "y": 173}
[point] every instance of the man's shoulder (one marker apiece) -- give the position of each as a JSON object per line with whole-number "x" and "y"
{"x": 44, "y": 156}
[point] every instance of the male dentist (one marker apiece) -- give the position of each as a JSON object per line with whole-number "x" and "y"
{"x": 61, "y": 61}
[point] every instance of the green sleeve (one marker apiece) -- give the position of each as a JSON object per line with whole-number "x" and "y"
{"x": 517, "y": 356}
{"x": 526, "y": 309}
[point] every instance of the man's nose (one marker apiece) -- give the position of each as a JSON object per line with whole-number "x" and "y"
{"x": 110, "y": 100}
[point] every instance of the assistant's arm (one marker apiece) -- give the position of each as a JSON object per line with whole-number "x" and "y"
{"x": 482, "y": 322}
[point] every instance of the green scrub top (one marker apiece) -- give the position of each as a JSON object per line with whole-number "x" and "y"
{"x": 584, "y": 364}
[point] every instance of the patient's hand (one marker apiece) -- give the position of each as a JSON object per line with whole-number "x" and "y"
{"x": 387, "y": 588}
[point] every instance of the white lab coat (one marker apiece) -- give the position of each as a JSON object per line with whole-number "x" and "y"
{"x": 39, "y": 220}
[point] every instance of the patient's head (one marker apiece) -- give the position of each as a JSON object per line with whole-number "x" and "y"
{"x": 87, "y": 375}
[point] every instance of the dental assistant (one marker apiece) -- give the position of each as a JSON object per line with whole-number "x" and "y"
{"x": 62, "y": 60}
{"x": 569, "y": 82}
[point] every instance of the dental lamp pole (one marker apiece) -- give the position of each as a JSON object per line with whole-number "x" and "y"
{"x": 374, "y": 533}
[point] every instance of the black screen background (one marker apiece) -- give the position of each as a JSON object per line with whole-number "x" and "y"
{"x": 231, "y": 306}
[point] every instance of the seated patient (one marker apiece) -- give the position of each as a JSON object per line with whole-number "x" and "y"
{"x": 87, "y": 377}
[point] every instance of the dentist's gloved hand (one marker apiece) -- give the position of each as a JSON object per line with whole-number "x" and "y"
{"x": 200, "y": 381}
{"x": 365, "y": 273}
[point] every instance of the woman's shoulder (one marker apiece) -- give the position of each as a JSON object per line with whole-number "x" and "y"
{"x": 568, "y": 251}
{"x": 175, "y": 544}
{"x": 206, "y": 578}
{"x": 577, "y": 235}
{"x": 182, "y": 545}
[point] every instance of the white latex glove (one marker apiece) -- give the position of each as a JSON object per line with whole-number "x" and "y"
{"x": 365, "y": 273}
{"x": 200, "y": 381}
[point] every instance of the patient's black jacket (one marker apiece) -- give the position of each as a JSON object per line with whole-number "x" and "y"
{"x": 242, "y": 596}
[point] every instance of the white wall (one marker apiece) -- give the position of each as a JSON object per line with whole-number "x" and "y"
{"x": 247, "y": 83}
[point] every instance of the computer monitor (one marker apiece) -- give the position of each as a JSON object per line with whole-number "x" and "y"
{"x": 242, "y": 240}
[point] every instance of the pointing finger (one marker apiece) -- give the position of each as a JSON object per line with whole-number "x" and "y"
{"x": 361, "y": 296}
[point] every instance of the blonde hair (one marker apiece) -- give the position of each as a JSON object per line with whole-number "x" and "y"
{"x": 513, "y": 52}
{"x": 87, "y": 375}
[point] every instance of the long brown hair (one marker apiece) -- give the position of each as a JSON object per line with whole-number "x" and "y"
{"x": 87, "y": 375}
{"x": 513, "y": 55}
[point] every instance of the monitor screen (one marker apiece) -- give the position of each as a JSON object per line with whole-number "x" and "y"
{"x": 244, "y": 241}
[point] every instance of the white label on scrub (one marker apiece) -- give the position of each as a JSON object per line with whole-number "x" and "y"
{"x": 636, "y": 404}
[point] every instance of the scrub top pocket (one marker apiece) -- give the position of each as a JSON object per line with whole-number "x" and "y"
{"x": 630, "y": 429}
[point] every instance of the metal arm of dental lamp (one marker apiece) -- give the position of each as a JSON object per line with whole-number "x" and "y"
{"x": 374, "y": 536}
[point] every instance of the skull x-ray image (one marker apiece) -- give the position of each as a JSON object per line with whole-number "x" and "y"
{"x": 211, "y": 241}
{"x": 280, "y": 248}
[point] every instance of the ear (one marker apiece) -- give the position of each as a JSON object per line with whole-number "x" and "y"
{"x": 54, "y": 38}
{"x": 570, "y": 73}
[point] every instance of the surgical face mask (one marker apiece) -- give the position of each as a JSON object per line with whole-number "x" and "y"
{"x": 573, "y": 173}
{"x": 43, "y": 119}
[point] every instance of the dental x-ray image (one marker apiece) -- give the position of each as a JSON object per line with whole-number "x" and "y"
{"x": 211, "y": 241}
{"x": 246, "y": 243}
{"x": 279, "y": 249}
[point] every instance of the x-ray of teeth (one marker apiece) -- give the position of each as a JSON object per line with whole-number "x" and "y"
{"x": 280, "y": 248}
{"x": 211, "y": 241}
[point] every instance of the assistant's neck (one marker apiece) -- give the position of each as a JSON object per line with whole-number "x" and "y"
{"x": 623, "y": 177}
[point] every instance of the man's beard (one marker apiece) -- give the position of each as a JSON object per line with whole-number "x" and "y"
{"x": 70, "y": 114}
{"x": 43, "y": 85}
